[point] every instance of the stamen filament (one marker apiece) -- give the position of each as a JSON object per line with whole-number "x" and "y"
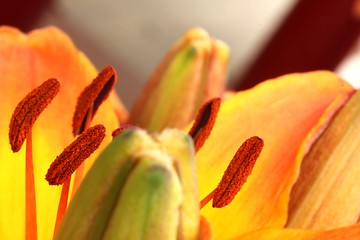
{"x": 31, "y": 223}
{"x": 62, "y": 204}
{"x": 207, "y": 199}
{"x": 78, "y": 178}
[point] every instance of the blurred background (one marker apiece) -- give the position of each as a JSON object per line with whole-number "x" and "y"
{"x": 266, "y": 38}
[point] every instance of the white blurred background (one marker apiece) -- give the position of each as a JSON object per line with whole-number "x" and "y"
{"x": 134, "y": 35}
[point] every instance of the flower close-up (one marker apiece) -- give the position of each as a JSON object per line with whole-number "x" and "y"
{"x": 189, "y": 160}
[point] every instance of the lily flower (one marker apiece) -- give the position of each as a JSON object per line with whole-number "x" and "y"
{"x": 261, "y": 208}
{"x": 289, "y": 113}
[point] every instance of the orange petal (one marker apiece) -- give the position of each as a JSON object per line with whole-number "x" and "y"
{"x": 348, "y": 233}
{"x": 25, "y": 62}
{"x": 205, "y": 231}
{"x": 326, "y": 194}
{"x": 282, "y": 112}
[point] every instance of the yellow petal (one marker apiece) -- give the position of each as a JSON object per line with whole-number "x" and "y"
{"x": 282, "y": 112}
{"x": 348, "y": 233}
{"x": 25, "y": 62}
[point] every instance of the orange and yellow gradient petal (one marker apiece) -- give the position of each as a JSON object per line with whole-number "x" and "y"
{"x": 27, "y": 60}
{"x": 286, "y": 113}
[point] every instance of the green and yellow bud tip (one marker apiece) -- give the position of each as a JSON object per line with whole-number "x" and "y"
{"x": 196, "y": 62}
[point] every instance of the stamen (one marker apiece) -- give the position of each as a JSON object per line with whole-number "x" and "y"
{"x": 62, "y": 203}
{"x": 92, "y": 96}
{"x": 207, "y": 199}
{"x": 74, "y": 154}
{"x": 238, "y": 171}
{"x": 30, "y": 214}
{"x": 204, "y": 122}
{"x": 28, "y": 110}
{"x": 80, "y": 170}
{"x": 121, "y": 129}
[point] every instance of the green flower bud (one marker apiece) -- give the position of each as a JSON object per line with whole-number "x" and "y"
{"x": 141, "y": 187}
{"x": 192, "y": 72}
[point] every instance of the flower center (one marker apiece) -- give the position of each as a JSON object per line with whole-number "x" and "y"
{"x": 90, "y": 138}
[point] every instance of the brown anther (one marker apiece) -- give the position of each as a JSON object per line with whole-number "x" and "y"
{"x": 121, "y": 129}
{"x": 238, "y": 171}
{"x": 28, "y": 110}
{"x": 74, "y": 154}
{"x": 92, "y": 97}
{"x": 204, "y": 122}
